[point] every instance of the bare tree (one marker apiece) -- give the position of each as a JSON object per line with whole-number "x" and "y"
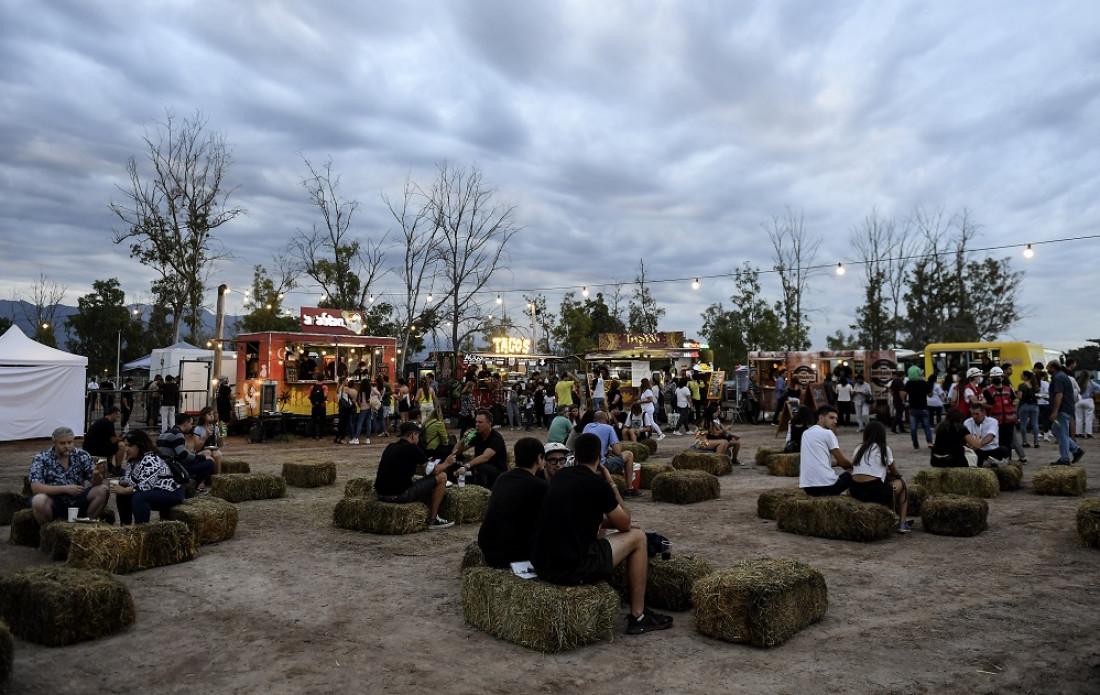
{"x": 172, "y": 211}
{"x": 794, "y": 257}
{"x": 884, "y": 254}
{"x": 474, "y": 231}
{"x": 41, "y": 308}
{"x": 328, "y": 253}
{"x": 644, "y": 314}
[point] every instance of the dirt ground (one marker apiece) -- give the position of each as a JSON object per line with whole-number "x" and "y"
{"x": 293, "y": 605}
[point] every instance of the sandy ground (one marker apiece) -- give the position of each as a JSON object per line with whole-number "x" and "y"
{"x": 293, "y": 605}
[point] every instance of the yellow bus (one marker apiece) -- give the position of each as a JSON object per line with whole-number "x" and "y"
{"x": 940, "y": 357}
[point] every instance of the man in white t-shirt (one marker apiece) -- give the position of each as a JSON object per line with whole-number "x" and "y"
{"x": 819, "y": 448}
{"x": 982, "y": 437}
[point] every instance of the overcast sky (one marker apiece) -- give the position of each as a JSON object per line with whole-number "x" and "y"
{"x": 666, "y": 130}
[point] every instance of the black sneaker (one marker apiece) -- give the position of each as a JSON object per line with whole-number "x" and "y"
{"x": 439, "y": 523}
{"x": 649, "y": 622}
{"x": 1078, "y": 454}
{"x": 1060, "y": 463}
{"x": 631, "y": 492}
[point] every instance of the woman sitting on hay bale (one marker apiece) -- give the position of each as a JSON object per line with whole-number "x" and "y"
{"x": 146, "y": 484}
{"x": 207, "y": 436}
{"x": 949, "y": 449}
{"x": 400, "y": 461}
{"x": 721, "y": 441}
{"x": 872, "y": 464}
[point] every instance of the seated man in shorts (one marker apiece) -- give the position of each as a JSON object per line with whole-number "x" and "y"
{"x": 400, "y": 461}
{"x": 819, "y": 448}
{"x": 570, "y": 547}
{"x": 58, "y": 476}
{"x": 612, "y": 455}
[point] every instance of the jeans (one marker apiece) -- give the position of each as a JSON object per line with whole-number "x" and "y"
{"x": 863, "y": 414}
{"x": 1066, "y": 445}
{"x": 139, "y": 506}
{"x": 921, "y": 417}
{"x": 1029, "y": 419}
{"x": 513, "y": 414}
{"x": 365, "y": 415}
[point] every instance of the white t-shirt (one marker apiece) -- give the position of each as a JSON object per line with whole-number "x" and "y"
{"x": 683, "y": 397}
{"x": 597, "y": 390}
{"x": 988, "y": 426}
{"x": 936, "y": 399}
{"x": 843, "y": 393}
{"x": 548, "y": 404}
{"x": 816, "y": 465}
{"x": 871, "y": 463}
{"x": 861, "y": 393}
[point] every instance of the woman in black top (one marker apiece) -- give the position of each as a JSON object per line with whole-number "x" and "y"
{"x": 948, "y": 451}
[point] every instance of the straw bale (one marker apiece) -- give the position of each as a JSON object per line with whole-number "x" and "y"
{"x": 371, "y": 516}
{"x": 954, "y": 515}
{"x": 465, "y": 505}
{"x": 763, "y": 602}
{"x": 763, "y": 453}
{"x": 235, "y": 466}
{"x": 242, "y": 487}
{"x": 685, "y": 487}
{"x": 310, "y": 474}
{"x": 125, "y": 549}
{"x": 57, "y": 536}
{"x": 768, "y": 502}
{"x": 213, "y": 520}
{"x": 57, "y": 606}
{"x": 359, "y": 487}
{"x": 917, "y": 495}
{"x": 651, "y": 444}
{"x": 785, "y": 465}
{"x": 640, "y": 451}
{"x": 975, "y": 482}
{"x": 652, "y": 470}
{"x": 1059, "y": 480}
{"x": 1088, "y": 522}
{"x": 6, "y": 649}
{"x": 24, "y": 529}
{"x": 473, "y": 557}
{"x": 536, "y": 614}
{"x": 668, "y": 582}
{"x": 692, "y": 460}
{"x": 1009, "y": 477}
{"x": 620, "y": 482}
{"x": 10, "y": 503}
{"x": 840, "y": 518}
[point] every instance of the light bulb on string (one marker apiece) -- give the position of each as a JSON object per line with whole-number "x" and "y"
{"x": 840, "y": 269}
{"x": 584, "y": 291}
{"x": 695, "y": 284}
{"x": 1028, "y": 253}
{"x": 500, "y": 300}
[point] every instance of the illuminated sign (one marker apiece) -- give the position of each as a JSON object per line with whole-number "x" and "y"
{"x": 332, "y": 321}
{"x": 632, "y": 341}
{"x": 511, "y": 346}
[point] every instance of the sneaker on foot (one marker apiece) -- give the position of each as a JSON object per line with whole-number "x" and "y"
{"x": 354, "y": 441}
{"x": 1078, "y": 454}
{"x": 439, "y": 523}
{"x": 1060, "y": 463}
{"x": 660, "y": 436}
{"x": 648, "y": 622}
{"x": 367, "y": 440}
{"x": 632, "y": 493}
{"x": 1026, "y": 445}
{"x": 904, "y": 527}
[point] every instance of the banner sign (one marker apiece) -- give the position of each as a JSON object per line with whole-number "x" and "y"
{"x": 332, "y": 321}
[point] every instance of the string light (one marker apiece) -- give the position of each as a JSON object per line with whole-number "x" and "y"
{"x": 1028, "y": 253}
{"x": 371, "y": 299}
{"x": 500, "y": 300}
{"x": 429, "y": 297}
{"x": 584, "y": 291}
{"x": 840, "y": 269}
{"x": 695, "y": 284}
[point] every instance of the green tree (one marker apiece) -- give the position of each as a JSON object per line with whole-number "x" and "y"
{"x": 581, "y": 322}
{"x": 1087, "y": 356}
{"x": 5, "y": 324}
{"x": 749, "y": 324}
{"x": 265, "y": 304}
{"x": 643, "y": 313}
{"x": 102, "y": 322}
{"x": 842, "y": 341}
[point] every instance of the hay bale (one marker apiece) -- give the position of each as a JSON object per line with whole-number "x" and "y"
{"x": 840, "y": 518}
{"x": 668, "y": 582}
{"x": 685, "y": 487}
{"x": 1088, "y": 522}
{"x": 57, "y": 536}
{"x": 125, "y": 549}
{"x": 1059, "y": 480}
{"x": 954, "y": 515}
{"x": 692, "y": 460}
{"x": 6, "y": 648}
{"x": 465, "y": 505}
{"x": 784, "y": 465}
{"x": 975, "y": 482}
{"x": 473, "y": 557}
{"x": 1009, "y": 477}
{"x": 211, "y": 519}
{"x": 652, "y": 470}
{"x": 917, "y": 495}
{"x": 235, "y": 466}
{"x": 24, "y": 529}
{"x": 359, "y": 487}
{"x": 57, "y": 606}
{"x": 651, "y": 444}
{"x": 763, "y": 453}
{"x": 763, "y": 602}
{"x": 640, "y": 451}
{"x": 536, "y": 614}
{"x": 242, "y": 487}
{"x": 620, "y": 483}
{"x": 10, "y": 503}
{"x": 310, "y": 474}
{"x": 371, "y": 516}
{"x": 769, "y": 500}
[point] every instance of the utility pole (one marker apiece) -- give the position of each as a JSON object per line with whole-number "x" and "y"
{"x": 218, "y": 338}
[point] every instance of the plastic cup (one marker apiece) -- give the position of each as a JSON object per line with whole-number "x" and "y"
{"x": 73, "y": 512}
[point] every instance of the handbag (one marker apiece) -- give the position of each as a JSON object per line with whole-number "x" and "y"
{"x": 971, "y": 457}
{"x": 176, "y": 472}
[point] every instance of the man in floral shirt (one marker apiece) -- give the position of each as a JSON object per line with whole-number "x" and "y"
{"x": 58, "y": 476}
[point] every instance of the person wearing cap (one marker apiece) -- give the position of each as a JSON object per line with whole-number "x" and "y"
{"x": 970, "y": 392}
{"x": 559, "y": 428}
{"x": 400, "y": 461}
{"x": 1000, "y": 399}
{"x": 222, "y": 399}
{"x": 514, "y": 506}
{"x": 101, "y": 439}
{"x": 555, "y": 456}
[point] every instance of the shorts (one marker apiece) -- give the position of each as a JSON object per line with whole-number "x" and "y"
{"x": 876, "y": 491}
{"x": 419, "y": 490}
{"x": 614, "y": 463}
{"x": 595, "y": 566}
{"x": 61, "y": 504}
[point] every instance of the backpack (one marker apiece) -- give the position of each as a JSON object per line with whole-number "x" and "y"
{"x": 176, "y": 471}
{"x": 317, "y": 395}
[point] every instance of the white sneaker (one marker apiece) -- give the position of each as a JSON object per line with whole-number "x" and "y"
{"x": 354, "y": 441}
{"x": 366, "y": 441}
{"x": 660, "y": 436}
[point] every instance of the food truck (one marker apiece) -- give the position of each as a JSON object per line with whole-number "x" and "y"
{"x": 276, "y": 371}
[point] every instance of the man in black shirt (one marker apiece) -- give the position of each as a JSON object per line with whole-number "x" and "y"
{"x": 915, "y": 394}
{"x": 400, "y": 461}
{"x": 505, "y": 535}
{"x": 101, "y": 440}
{"x": 569, "y": 548}
{"x": 490, "y": 452}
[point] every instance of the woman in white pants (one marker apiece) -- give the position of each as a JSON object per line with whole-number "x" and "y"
{"x": 647, "y": 396}
{"x": 1086, "y": 406}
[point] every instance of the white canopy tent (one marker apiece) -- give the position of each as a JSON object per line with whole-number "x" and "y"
{"x": 41, "y": 388}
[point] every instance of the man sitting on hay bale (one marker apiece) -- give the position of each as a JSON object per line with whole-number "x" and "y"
{"x": 509, "y": 525}
{"x": 172, "y": 444}
{"x": 57, "y": 479}
{"x": 982, "y": 437}
{"x": 101, "y": 440}
{"x": 400, "y": 461}
{"x": 490, "y": 452}
{"x": 568, "y": 548}
{"x": 612, "y": 456}
{"x": 819, "y": 447}
{"x": 554, "y": 456}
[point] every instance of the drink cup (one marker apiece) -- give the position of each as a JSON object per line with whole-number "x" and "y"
{"x": 73, "y": 512}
